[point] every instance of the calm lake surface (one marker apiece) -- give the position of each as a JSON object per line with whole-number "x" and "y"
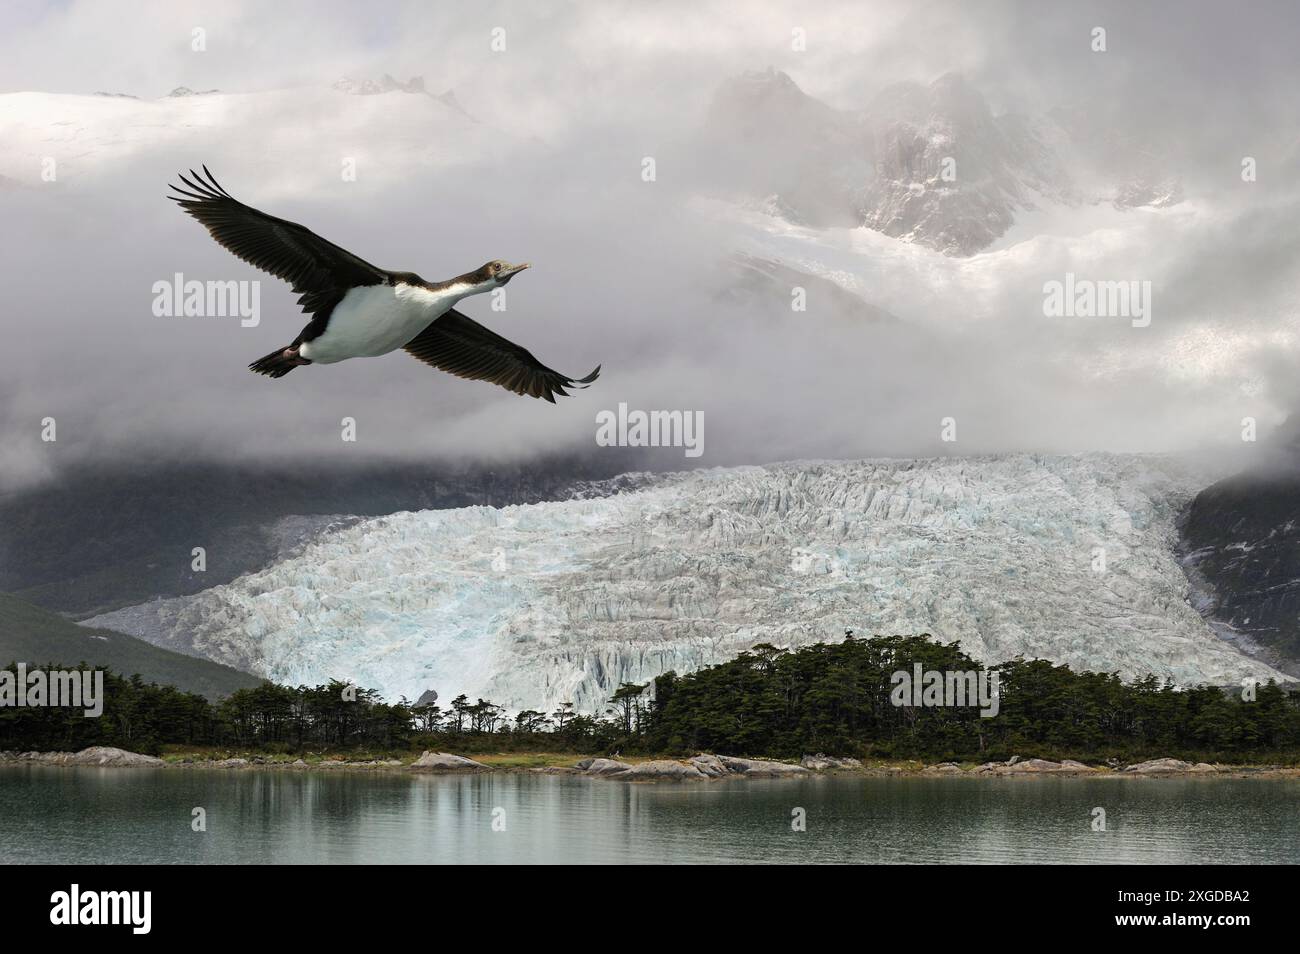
{"x": 86, "y": 815}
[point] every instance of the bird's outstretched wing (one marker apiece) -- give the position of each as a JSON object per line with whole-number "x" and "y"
{"x": 318, "y": 270}
{"x": 461, "y": 346}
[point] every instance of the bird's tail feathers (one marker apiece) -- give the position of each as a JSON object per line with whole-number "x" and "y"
{"x": 274, "y": 365}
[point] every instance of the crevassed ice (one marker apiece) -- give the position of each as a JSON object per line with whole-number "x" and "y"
{"x": 533, "y": 605}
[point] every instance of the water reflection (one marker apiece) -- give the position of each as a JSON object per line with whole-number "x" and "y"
{"x": 144, "y": 816}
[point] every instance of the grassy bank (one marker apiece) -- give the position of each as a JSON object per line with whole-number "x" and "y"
{"x": 517, "y": 760}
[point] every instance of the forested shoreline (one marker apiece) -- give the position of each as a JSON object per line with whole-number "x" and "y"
{"x": 829, "y": 697}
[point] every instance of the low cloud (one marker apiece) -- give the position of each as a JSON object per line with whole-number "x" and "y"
{"x": 629, "y": 274}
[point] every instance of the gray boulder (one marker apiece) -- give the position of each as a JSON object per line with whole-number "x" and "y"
{"x": 823, "y": 763}
{"x": 944, "y": 768}
{"x": 1034, "y": 767}
{"x": 662, "y": 769}
{"x": 758, "y": 768}
{"x": 1159, "y": 767}
{"x": 107, "y": 755}
{"x": 602, "y": 766}
{"x": 443, "y": 762}
{"x": 710, "y": 765}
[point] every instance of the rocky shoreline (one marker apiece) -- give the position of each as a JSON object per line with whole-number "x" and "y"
{"x": 703, "y": 767}
{"x": 713, "y": 766}
{"x": 1016, "y": 766}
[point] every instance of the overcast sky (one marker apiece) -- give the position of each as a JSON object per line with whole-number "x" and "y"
{"x": 628, "y": 273}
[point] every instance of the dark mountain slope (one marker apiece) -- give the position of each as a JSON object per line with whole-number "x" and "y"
{"x": 1241, "y": 539}
{"x": 37, "y": 637}
{"x": 101, "y": 537}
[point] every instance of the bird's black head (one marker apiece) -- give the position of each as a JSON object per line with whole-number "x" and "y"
{"x": 498, "y": 272}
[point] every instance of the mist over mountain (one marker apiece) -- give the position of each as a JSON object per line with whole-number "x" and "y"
{"x": 924, "y": 163}
{"x": 824, "y": 173}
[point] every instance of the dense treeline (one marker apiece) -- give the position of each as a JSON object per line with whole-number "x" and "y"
{"x": 836, "y": 698}
{"x": 833, "y": 698}
{"x": 144, "y": 717}
{"x": 136, "y": 715}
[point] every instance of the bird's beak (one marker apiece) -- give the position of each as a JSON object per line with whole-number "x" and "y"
{"x": 511, "y": 271}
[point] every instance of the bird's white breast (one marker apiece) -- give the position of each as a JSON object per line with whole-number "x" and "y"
{"x": 376, "y": 319}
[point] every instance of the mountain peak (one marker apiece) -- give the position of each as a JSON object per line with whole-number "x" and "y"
{"x": 949, "y": 98}
{"x": 952, "y": 80}
{"x": 761, "y": 88}
{"x": 388, "y": 84}
{"x": 385, "y": 84}
{"x": 925, "y": 162}
{"x": 769, "y": 76}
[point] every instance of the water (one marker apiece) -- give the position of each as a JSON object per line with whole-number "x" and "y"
{"x": 50, "y": 814}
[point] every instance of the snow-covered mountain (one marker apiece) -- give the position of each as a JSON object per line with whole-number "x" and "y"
{"x": 795, "y": 156}
{"x": 387, "y": 84}
{"x": 997, "y": 167}
{"x": 926, "y": 163}
{"x": 533, "y": 605}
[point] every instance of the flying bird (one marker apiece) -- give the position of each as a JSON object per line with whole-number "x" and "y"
{"x": 359, "y": 310}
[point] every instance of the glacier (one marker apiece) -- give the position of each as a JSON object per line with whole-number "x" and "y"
{"x": 561, "y": 601}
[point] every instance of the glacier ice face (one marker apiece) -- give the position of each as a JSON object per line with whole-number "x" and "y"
{"x": 533, "y": 605}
